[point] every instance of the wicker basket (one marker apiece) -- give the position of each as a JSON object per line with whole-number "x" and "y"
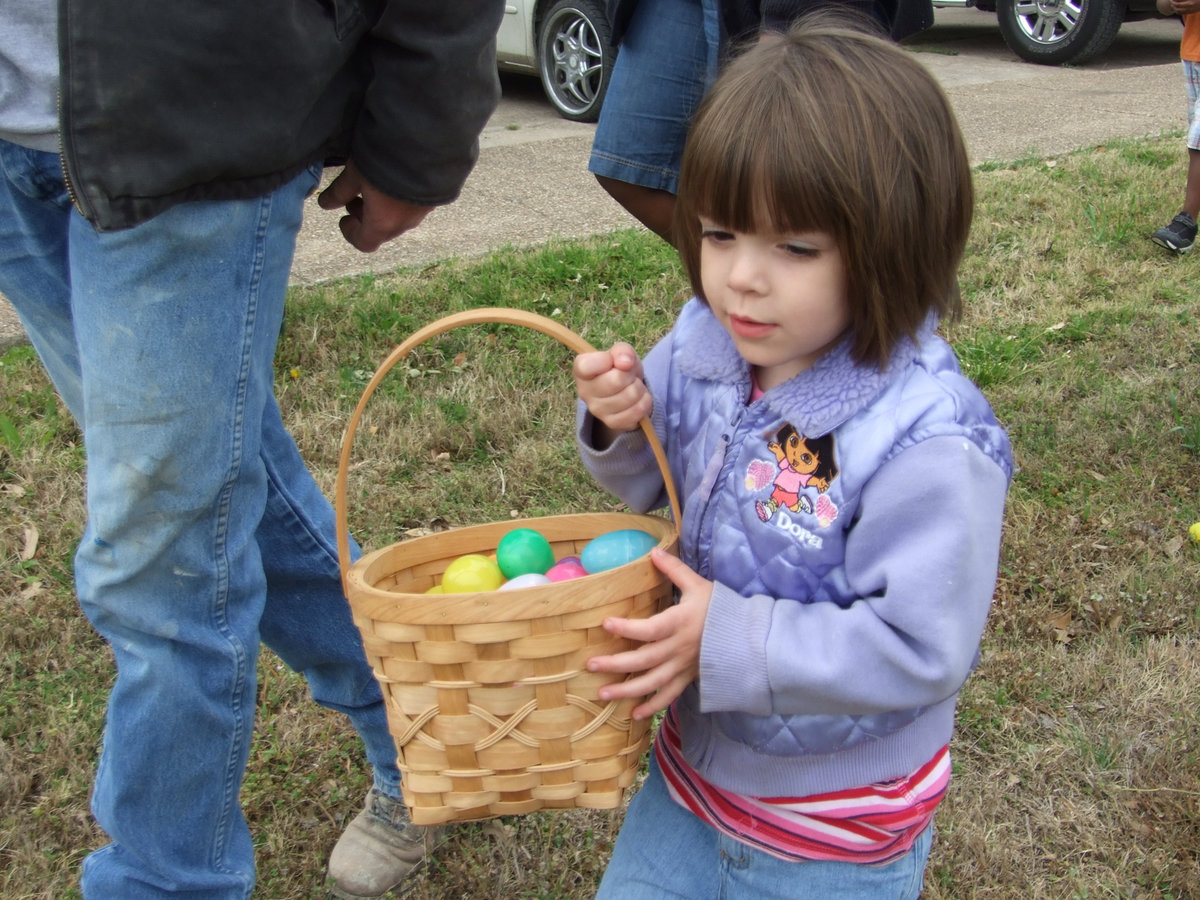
{"x": 487, "y": 694}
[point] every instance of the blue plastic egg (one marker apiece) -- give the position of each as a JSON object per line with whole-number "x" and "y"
{"x": 616, "y": 548}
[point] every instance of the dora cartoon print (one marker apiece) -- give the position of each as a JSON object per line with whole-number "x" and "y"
{"x": 801, "y": 462}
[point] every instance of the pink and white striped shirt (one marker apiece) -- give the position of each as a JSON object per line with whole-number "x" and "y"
{"x": 869, "y": 825}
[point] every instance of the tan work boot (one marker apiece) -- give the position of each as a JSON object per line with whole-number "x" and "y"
{"x": 378, "y": 849}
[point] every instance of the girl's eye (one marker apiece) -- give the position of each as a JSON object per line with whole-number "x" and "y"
{"x": 802, "y": 250}
{"x": 715, "y": 234}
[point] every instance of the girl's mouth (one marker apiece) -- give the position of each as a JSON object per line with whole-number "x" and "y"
{"x": 749, "y": 328}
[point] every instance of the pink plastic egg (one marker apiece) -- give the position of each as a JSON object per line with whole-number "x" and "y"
{"x": 565, "y": 570}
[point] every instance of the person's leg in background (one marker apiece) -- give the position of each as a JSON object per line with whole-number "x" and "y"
{"x": 1191, "y": 196}
{"x": 1179, "y": 235}
{"x": 667, "y": 58}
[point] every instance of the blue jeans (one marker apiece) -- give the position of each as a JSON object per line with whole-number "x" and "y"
{"x": 206, "y": 534}
{"x": 668, "y": 57}
{"x": 663, "y": 851}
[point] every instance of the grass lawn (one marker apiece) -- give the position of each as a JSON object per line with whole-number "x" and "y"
{"x": 1077, "y": 754}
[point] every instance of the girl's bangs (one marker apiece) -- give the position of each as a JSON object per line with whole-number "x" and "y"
{"x": 757, "y": 179}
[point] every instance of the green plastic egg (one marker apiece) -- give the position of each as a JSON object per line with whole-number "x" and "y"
{"x": 523, "y": 551}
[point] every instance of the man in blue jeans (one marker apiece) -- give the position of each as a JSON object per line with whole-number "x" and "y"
{"x": 154, "y": 159}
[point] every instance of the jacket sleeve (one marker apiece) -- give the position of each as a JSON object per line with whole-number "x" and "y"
{"x": 921, "y": 557}
{"x": 434, "y": 85}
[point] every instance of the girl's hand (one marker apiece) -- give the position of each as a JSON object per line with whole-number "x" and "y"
{"x": 610, "y": 383}
{"x": 669, "y": 658}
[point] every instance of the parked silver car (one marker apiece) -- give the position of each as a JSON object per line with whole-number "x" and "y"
{"x": 567, "y": 43}
{"x": 1054, "y": 32}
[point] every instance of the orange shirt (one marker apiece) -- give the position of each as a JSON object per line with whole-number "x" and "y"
{"x": 1189, "y": 47}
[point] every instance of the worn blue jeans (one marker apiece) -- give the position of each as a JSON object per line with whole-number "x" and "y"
{"x": 668, "y": 58}
{"x": 206, "y": 534}
{"x": 664, "y": 851}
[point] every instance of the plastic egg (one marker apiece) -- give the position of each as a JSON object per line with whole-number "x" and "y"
{"x": 565, "y": 570}
{"x": 529, "y": 579}
{"x": 616, "y": 548}
{"x": 471, "y": 573}
{"x": 436, "y": 589}
{"x": 522, "y": 551}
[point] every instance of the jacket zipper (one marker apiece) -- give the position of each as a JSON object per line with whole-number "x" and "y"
{"x": 62, "y": 155}
{"x": 713, "y": 475}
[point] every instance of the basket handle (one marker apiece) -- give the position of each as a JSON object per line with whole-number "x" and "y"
{"x": 497, "y": 315}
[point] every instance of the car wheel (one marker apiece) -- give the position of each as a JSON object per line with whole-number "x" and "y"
{"x": 575, "y": 57}
{"x": 1059, "y": 31}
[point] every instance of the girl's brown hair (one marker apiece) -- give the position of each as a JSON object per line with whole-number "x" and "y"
{"x": 829, "y": 128}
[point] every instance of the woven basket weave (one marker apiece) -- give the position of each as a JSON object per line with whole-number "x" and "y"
{"x": 488, "y": 698}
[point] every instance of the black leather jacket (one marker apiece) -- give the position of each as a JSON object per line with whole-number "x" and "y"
{"x": 163, "y": 102}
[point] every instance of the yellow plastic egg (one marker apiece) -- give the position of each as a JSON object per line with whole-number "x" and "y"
{"x": 470, "y": 574}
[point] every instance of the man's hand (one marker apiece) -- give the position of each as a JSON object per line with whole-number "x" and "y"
{"x": 372, "y": 217}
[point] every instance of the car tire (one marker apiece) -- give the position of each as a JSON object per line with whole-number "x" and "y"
{"x": 575, "y": 57}
{"x": 1054, "y": 32}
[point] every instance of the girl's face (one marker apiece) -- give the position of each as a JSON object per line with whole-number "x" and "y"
{"x": 781, "y": 297}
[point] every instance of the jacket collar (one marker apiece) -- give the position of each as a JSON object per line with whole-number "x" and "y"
{"x": 816, "y": 401}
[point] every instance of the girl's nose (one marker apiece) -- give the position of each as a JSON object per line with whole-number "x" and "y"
{"x": 746, "y": 271}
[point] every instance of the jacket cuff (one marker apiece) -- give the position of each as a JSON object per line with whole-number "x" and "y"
{"x": 733, "y": 653}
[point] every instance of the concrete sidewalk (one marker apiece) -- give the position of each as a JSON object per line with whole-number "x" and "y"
{"x": 532, "y": 184}
{"x": 529, "y": 192}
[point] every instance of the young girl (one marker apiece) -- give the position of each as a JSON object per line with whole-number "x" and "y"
{"x": 811, "y": 665}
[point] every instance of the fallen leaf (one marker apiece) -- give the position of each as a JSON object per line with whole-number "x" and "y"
{"x": 31, "y": 543}
{"x": 1062, "y": 627}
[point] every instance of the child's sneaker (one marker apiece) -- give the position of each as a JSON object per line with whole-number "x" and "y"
{"x": 1178, "y": 236}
